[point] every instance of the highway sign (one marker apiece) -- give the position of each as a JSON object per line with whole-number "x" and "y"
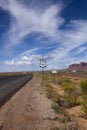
{"x": 42, "y": 63}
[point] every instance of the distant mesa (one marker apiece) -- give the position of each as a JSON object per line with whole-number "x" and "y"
{"x": 80, "y": 66}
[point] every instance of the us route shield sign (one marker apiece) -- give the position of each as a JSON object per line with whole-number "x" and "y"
{"x": 42, "y": 63}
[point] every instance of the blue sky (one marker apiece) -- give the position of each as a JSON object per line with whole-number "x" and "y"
{"x": 34, "y": 29}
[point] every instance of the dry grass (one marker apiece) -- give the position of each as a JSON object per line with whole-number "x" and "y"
{"x": 72, "y": 97}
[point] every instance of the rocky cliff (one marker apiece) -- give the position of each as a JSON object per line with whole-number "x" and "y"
{"x": 80, "y": 66}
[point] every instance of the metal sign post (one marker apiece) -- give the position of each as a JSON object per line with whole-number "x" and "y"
{"x": 43, "y": 65}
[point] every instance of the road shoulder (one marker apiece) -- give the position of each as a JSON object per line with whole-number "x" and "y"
{"x": 28, "y": 109}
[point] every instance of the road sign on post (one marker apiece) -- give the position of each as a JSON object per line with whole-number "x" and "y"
{"x": 43, "y": 65}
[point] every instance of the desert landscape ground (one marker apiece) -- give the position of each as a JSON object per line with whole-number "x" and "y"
{"x": 48, "y": 102}
{"x": 43, "y": 64}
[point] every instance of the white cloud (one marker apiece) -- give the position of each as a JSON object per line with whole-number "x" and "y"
{"x": 76, "y": 36}
{"x": 30, "y": 52}
{"x": 25, "y": 58}
{"x": 28, "y": 57}
{"x": 27, "y": 19}
{"x": 72, "y": 43}
{"x": 23, "y": 61}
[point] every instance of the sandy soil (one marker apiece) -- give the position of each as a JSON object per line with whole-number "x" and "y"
{"x": 28, "y": 109}
{"x": 74, "y": 112}
{"x": 58, "y": 89}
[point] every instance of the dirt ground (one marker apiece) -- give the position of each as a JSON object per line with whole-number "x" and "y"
{"x": 28, "y": 109}
{"x": 76, "y": 111}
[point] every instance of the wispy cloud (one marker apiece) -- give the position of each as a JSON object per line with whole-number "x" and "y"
{"x": 30, "y": 52}
{"x": 73, "y": 43}
{"x": 24, "y": 61}
{"x": 29, "y": 19}
{"x": 26, "y": 58}
{"x": 32, "y": 18}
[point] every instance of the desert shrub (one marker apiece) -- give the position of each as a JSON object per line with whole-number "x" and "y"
{"x": 83, "y": 86}
{"x": 84, "y": 104}
{"x": 70, "y": 93}
{"x": 66, "y": 79}
{"x": 58, "y": 109}
{"x": 54, "y": 79}
{"x": 51, "y": 93}
{"x": 45, "y": 77}
{"x": 59, "y": 82}
{"x": 72, "y": 100}
{"x": 68, "y": 87}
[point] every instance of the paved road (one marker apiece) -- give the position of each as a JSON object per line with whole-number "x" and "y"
{"x": 9, "y": 85}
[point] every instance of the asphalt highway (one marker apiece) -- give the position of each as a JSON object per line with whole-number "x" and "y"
{"x": 9, "y": 85}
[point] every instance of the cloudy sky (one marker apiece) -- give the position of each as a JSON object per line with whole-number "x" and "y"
{"x": 34, "y": 29}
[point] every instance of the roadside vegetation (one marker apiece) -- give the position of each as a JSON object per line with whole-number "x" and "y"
{"x": 83, "y": 86}
{"x": 71, "y": 96}
{"x": 75, "y": 94}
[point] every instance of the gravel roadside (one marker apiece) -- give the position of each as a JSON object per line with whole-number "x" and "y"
{"x": 28, "y": 109}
